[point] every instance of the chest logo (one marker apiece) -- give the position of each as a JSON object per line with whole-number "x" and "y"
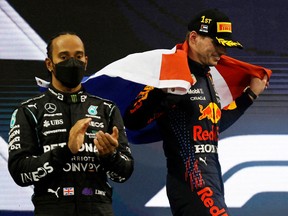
{"x": 92, "y": 110}
{"x": 50, "y": 107}
{"x": 212, "y": 112}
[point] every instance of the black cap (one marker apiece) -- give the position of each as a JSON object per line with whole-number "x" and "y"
{"x": 216, "y": 25}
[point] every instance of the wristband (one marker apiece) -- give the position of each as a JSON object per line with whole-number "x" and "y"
{"x": 250, "y": 92}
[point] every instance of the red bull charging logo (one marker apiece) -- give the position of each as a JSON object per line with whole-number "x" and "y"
{"x": 211, "y": 112}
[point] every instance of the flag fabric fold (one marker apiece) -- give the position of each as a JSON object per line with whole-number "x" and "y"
{"x": 168, "y": 69}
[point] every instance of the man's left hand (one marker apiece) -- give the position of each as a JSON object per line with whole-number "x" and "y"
{"x": 107, "y": 143}
{"x": 258, "y": 85}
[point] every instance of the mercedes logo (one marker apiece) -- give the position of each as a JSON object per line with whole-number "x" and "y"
{"x": 50, "y": 107}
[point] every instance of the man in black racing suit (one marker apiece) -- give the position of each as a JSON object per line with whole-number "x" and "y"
{"x": 66, "y": 142}
{"x": 190, "y": 125}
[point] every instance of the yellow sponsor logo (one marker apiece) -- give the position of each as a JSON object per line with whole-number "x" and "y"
{"x": 228, "y": 43}
{"x": 224, "y": 27}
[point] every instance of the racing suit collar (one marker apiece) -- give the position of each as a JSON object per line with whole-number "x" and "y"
{"x": 76, "y": 97}
{"x": 197, "y": 68}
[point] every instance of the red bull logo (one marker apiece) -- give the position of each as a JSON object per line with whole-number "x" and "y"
{"x": 205, "y": 135}
{"x": 211, "y": 112}
{"x": 141, "y": 96}
{"x": 206, "y": 195}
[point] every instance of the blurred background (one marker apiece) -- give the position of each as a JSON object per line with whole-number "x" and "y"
{"x": 253, "y": 152}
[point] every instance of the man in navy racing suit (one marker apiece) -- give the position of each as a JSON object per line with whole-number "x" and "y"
{"x": 190, "y": 124}
{"x": 66, "y": 142}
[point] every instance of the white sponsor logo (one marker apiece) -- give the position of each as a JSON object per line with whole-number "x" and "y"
{"x": 83, "y": 158}
{"x": 205, "y": 148}
{"x": 52, "y": 115}
{"x": 81, "y": 167}
{"x": 50, "y": 107}
{"x": 203, "y": 160}
{"x": 88, "y": 147}
{"x": 60, "y": 96}
{"x": 92, "y": 116}
{"x": 52, "y": 191}
{"x": 35, "y": 176}
{"x": 14, "y": 127}
{"x": 83, "y": 98}
{"x": 14, "y": 141}
{"x": 53, "y": 122}
{"x": 100, "y": 192}
{"x": 198, "y": 98}
{"x": 195, "y": 91}
{"x": 33, "y": 105}
{"x": 13, "y": 146}
{"x": 108, "y": 104}
{"x": 50, "y": 147}
{"x": 14, "y": 138}
{"x": 97, "y": 124}
{"x": 55, "y": 131}
{"x": 14, "y": 133}
{"x": 90, "y": 135}
{"x": 251, "y": 165}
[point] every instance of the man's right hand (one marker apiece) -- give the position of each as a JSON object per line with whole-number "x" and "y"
{"x": 77, "y": 134}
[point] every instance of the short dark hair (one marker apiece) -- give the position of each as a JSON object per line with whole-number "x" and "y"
{"x": 49, "y": 44}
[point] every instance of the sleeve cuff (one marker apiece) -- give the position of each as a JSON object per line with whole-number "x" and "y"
{"x": 244, "y": 101}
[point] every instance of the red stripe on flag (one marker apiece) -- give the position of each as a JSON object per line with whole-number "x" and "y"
{"x": 237, "y": 74}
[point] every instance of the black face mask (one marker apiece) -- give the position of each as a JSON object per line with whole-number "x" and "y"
{"x": 70, "y": 72}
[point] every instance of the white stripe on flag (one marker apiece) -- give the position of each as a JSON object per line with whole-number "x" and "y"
{"x": 221, "y": 87}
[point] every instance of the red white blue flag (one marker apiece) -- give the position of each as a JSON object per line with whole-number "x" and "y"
{"x": 122, "y": 80}
{"x": 68, "y": 191}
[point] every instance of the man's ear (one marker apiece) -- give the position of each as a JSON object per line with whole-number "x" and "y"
{"x": 49, "y": 64}
{"x": 192, "y": 36}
